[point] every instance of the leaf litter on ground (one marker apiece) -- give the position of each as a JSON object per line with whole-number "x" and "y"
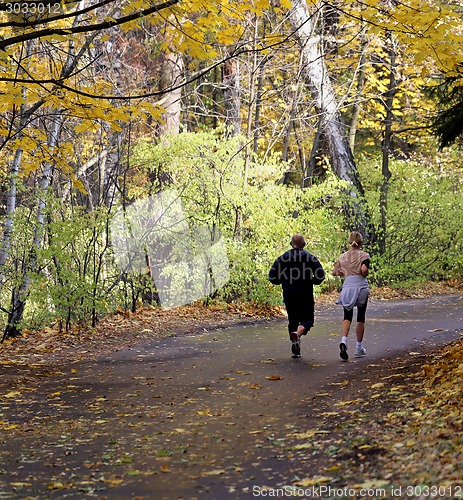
{"x": 414, "y": 438}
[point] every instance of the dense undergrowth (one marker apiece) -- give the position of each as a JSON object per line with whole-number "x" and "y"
{"x": 251, "y": 215}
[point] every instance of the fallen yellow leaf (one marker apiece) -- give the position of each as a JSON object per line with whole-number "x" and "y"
{"x": 215, "y": 472}
{"x": 56, "y": 485}
{"x": 6, "y": 426}
{"x": 12, "y": 394}
{"x": 303, "y": 446}
{"x": 313, "y": 481}
{"x": 346, "y": 403}
{"x": 308, "y": 434}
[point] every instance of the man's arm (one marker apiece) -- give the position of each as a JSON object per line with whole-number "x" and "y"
{"x": 274, "y": 275}
{"x": 318, "y": 271}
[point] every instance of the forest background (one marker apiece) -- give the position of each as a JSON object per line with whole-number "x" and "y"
{"x": 263, "y": 118}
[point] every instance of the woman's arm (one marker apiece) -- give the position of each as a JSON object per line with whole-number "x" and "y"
{"x": 365, "y": 267}
{"x": 364, "y": 270}
{"x": 337, "y": 270}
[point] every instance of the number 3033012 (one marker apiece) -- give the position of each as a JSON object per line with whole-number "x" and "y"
{"x": 32, "y": 8}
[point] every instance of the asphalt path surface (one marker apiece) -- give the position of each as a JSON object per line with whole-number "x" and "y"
{"x": 200, "y": 416}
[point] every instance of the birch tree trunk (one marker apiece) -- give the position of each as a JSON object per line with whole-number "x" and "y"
{"x": 10, "y": 210}
{"x": 25, "y": 115}
{"x": 20, "y": 296}
{"x": 172, "y": 74}
{"x": 316, "y": 77}
{"x": 259, "y": 93}
{"x": 13, "y": 178}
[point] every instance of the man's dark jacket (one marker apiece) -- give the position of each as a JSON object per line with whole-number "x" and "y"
{"x": 297, "y": 271}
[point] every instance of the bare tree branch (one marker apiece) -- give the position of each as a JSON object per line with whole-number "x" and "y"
{"x": 159, "y": 93}
{"x": 86, "y": 28}
{"x": 31, "y": 24}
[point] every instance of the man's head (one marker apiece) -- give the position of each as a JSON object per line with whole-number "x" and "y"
{"x": 298, "y": 241}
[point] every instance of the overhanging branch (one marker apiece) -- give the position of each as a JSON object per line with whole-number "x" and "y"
{"x": 59, "y": 83}
{"x": 34, "y": 35}
{"x": 31, "y": 24}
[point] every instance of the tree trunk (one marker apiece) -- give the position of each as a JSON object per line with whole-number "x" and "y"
{"x": 172, "y": 74}
{"x": 289, "y": 126}
{"x": 386, "y": 144}
{"x": 13, "y": 178}
{"x": 318, "y": 164}
{"x": 232, "y": 106}
{"x": 316, "y": 76}
{"x": 232, "y": 95}
{"x": 259, "y": 92}
{"x": 251, "y": 107}
{"x": 19, "y": 297}
{"x": 361, "y": 78}
{"x": 10, "y": 210}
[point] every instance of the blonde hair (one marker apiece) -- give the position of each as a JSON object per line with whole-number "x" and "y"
{"x": 355, "y": 239}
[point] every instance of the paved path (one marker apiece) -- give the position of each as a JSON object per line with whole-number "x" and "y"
{"x": 204, "y": 416}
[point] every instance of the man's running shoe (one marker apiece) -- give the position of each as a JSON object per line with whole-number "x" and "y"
{"x": 296, "y": 350}
{"x": 343, "y": 351}
{"x": 360, "y": 352}
{"x": 295, "y": 346}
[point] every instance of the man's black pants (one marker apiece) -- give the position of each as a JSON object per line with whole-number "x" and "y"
{"x": 300, "y": 312}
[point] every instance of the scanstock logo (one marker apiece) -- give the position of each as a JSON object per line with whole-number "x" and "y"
{"x": 186, "y": 262}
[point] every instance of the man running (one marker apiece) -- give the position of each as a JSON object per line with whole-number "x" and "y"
{"x": 297, "y": 271}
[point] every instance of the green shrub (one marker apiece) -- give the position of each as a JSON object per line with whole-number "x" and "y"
{"x": 255, "y": 212}
{"x": 424, "y": 224}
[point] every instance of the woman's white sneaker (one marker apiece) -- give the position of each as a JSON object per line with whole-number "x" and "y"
{"x": 360, "y": 352}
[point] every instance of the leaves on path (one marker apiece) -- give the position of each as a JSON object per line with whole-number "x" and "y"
{"x": 313, "y": 481}
{"x": 124, "y": 328}
{"x": 344, "y": 443}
